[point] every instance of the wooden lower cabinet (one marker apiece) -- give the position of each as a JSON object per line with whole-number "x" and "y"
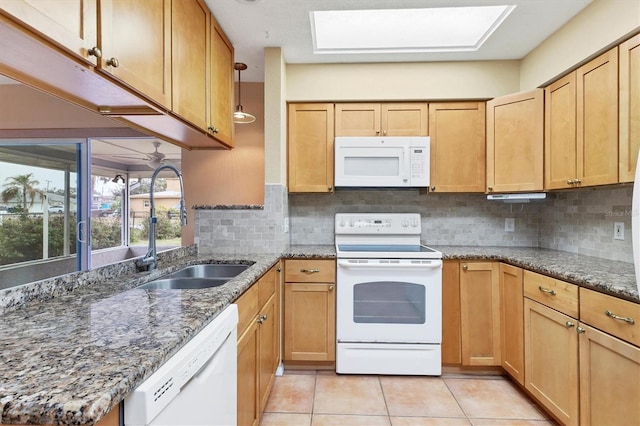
{"x": 512, "y": 321}
{"x": 551, "y": 360}
{"x": 609, "y": 379}
{"x": 451, "y": 331}
{"x": 258, "y": 345}
{"x": 480, "y": 313}
{"x": 309, "y": 311}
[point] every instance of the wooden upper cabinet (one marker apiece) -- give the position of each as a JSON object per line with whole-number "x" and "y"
{"x": 71, "y": 24}
{"x": 560, "y": 133}
{"x": 597, "y": 120}
{"x": 222, "y": 84}
{"x": 310, "y": 148}
{"x": 515, "y": 138}
{"x": 386, "y": 119}
{"x": 135, "y": 37}
{"x": 629, "y": 56}
{"x": 457, "y": 131}
{"x": 189, "y": 63}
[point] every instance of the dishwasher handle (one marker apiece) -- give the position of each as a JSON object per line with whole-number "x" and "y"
{"x": 423, "y": 264}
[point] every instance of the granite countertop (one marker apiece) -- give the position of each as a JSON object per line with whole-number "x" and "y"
{"x": 71, "y": 350}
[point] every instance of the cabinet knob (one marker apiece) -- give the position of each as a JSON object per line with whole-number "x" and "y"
{"x": 330, "y": 188}
{"x": 433, "y": 188}
{"x": 580, "y": 330}
{"x": 377, "y": 132}
{"x": 330, "y": 288}
{"x": 570, "y": 181}
{"x": 569, "y": 324}
{"x": 489, "y": 188}
{"x": 577, "y": 181}
{"x": 95, "y": 51}
{"x": 384, "y": 132}
{"x": 465, "y": 267}
{"x": 113, "y": 62}
{"x": 262, "y": 318}
{"x": 279, "y": 269}
{"x": 213, "y": 129}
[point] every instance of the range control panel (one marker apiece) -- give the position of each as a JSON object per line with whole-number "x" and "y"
{"x": 377, "y": 223}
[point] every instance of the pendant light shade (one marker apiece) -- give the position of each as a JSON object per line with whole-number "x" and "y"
{"x": 239, "y": 116}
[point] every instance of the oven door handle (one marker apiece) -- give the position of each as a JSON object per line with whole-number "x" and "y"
{"x": 435, "y": 264}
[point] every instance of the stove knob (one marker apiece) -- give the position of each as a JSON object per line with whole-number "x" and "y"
{"x": 341, "y": 224}
{"x": 404, "y": 223}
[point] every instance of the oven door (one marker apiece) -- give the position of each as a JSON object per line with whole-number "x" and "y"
{"x": 389, "y": 300}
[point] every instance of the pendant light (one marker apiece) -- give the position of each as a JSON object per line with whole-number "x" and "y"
{"x": 240, "y": 116}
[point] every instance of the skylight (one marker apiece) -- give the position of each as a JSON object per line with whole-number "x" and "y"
{"x": 446, "y": 29}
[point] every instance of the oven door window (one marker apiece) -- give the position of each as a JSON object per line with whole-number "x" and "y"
{"x": 389, "y": 302}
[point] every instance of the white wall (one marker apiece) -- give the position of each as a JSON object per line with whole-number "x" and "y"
{"x": 599, "y": 25}
{"x": 402, "y": 81}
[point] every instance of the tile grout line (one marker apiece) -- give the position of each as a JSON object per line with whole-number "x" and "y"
{"x": 384, "y": 398}
{"x": 453, "y": 395}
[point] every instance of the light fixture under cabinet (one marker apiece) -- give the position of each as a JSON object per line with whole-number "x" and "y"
{"x": 239, "y": 116}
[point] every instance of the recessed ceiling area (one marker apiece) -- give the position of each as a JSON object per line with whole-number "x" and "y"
{"x": 253, "y": 25}
{"x": 437, "y": 29}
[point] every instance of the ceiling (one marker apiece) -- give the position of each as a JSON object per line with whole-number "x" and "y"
{"x": 133, "y": 154}
{"x": 252, "y": 25}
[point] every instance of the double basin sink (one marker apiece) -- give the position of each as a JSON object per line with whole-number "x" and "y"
{"x": 197, "y": 276}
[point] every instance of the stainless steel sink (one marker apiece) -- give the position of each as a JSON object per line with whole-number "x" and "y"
{"x": 181, "y": 283}
{"x": 213, "y": 270}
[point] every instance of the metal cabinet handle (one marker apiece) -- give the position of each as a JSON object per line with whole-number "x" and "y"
{"x": 546, "y": 290}
{"x": 95, "y": 51}
{"x": 580, "y": 330}
{"x": 628, "y": 320}
{"x": 309, "y": 271}
{"x": 571, "y": 181}
{"x": 113, "y": 62}
{"x": 213, "y": 129}
{"x": 465, "y": 267}
{"x": 577, "y": 181}
{"x": 330, "y": 288}
{"x": 569, "y": 324}
{"x": 262, "y": 318}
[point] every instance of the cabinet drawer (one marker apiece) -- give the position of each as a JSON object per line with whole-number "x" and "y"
{"x": 608, "y": 313}
{"x": 559, "y": 295}
{"x": 247, "y": 308}
{"x": 310, "y": 271}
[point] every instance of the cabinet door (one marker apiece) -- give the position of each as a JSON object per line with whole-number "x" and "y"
{"x": 515, "y": 142}
{"x": 268, "y": 350}
{"x": 136, "y": 45}
{"x": 629, "y": 52}
{"x": 222, "y": 81}
{"x": 512, "y": 321}
{"x": 609, "y": 380}
{"x": 358, "y": 119}
{"x": 248, "y": 348}
{"x": 71, "y": 24}
{"x": 597, "y": 123}
{"x": 551, "y": 360}
{"x": 457, "y": 132}
{"x": 451, "y": 340}
{"x": 560, "y": 133}
{"x": 480, "y": 313}
{"x": 410, "y": 119}
{"x": 189, "y": 60}
{"x": 310, "y": 148}
{"x": 309, "y": 322}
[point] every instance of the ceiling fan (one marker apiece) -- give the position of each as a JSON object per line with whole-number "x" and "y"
{"x": 129, "y": 152}
{"x": 155, "y": 158}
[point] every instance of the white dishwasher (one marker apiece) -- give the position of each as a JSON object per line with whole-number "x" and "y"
{"x": 196, "y": 386}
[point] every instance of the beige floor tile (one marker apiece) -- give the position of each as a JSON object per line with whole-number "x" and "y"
{"x": 428, "y": 421}
{"x": 292, "y": 393}
{"x": 492, "y": 399}
{"x": 349, "y": 395}
{"x": 511, "y": 422}
{"x": 419, "y": 396}
{"x": 348, "y": 420}
{"x": 285, "y": 419}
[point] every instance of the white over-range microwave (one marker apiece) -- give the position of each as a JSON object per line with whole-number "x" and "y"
{"x": 382, "y": 161}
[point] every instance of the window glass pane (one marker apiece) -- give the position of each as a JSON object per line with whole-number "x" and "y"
{"x": 107, "y": 194}
{"x": 39, "y": 206}
{"x": 166, "y": 196}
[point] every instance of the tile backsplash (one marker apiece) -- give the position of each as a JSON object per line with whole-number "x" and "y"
{"x": 578, "y": 221}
